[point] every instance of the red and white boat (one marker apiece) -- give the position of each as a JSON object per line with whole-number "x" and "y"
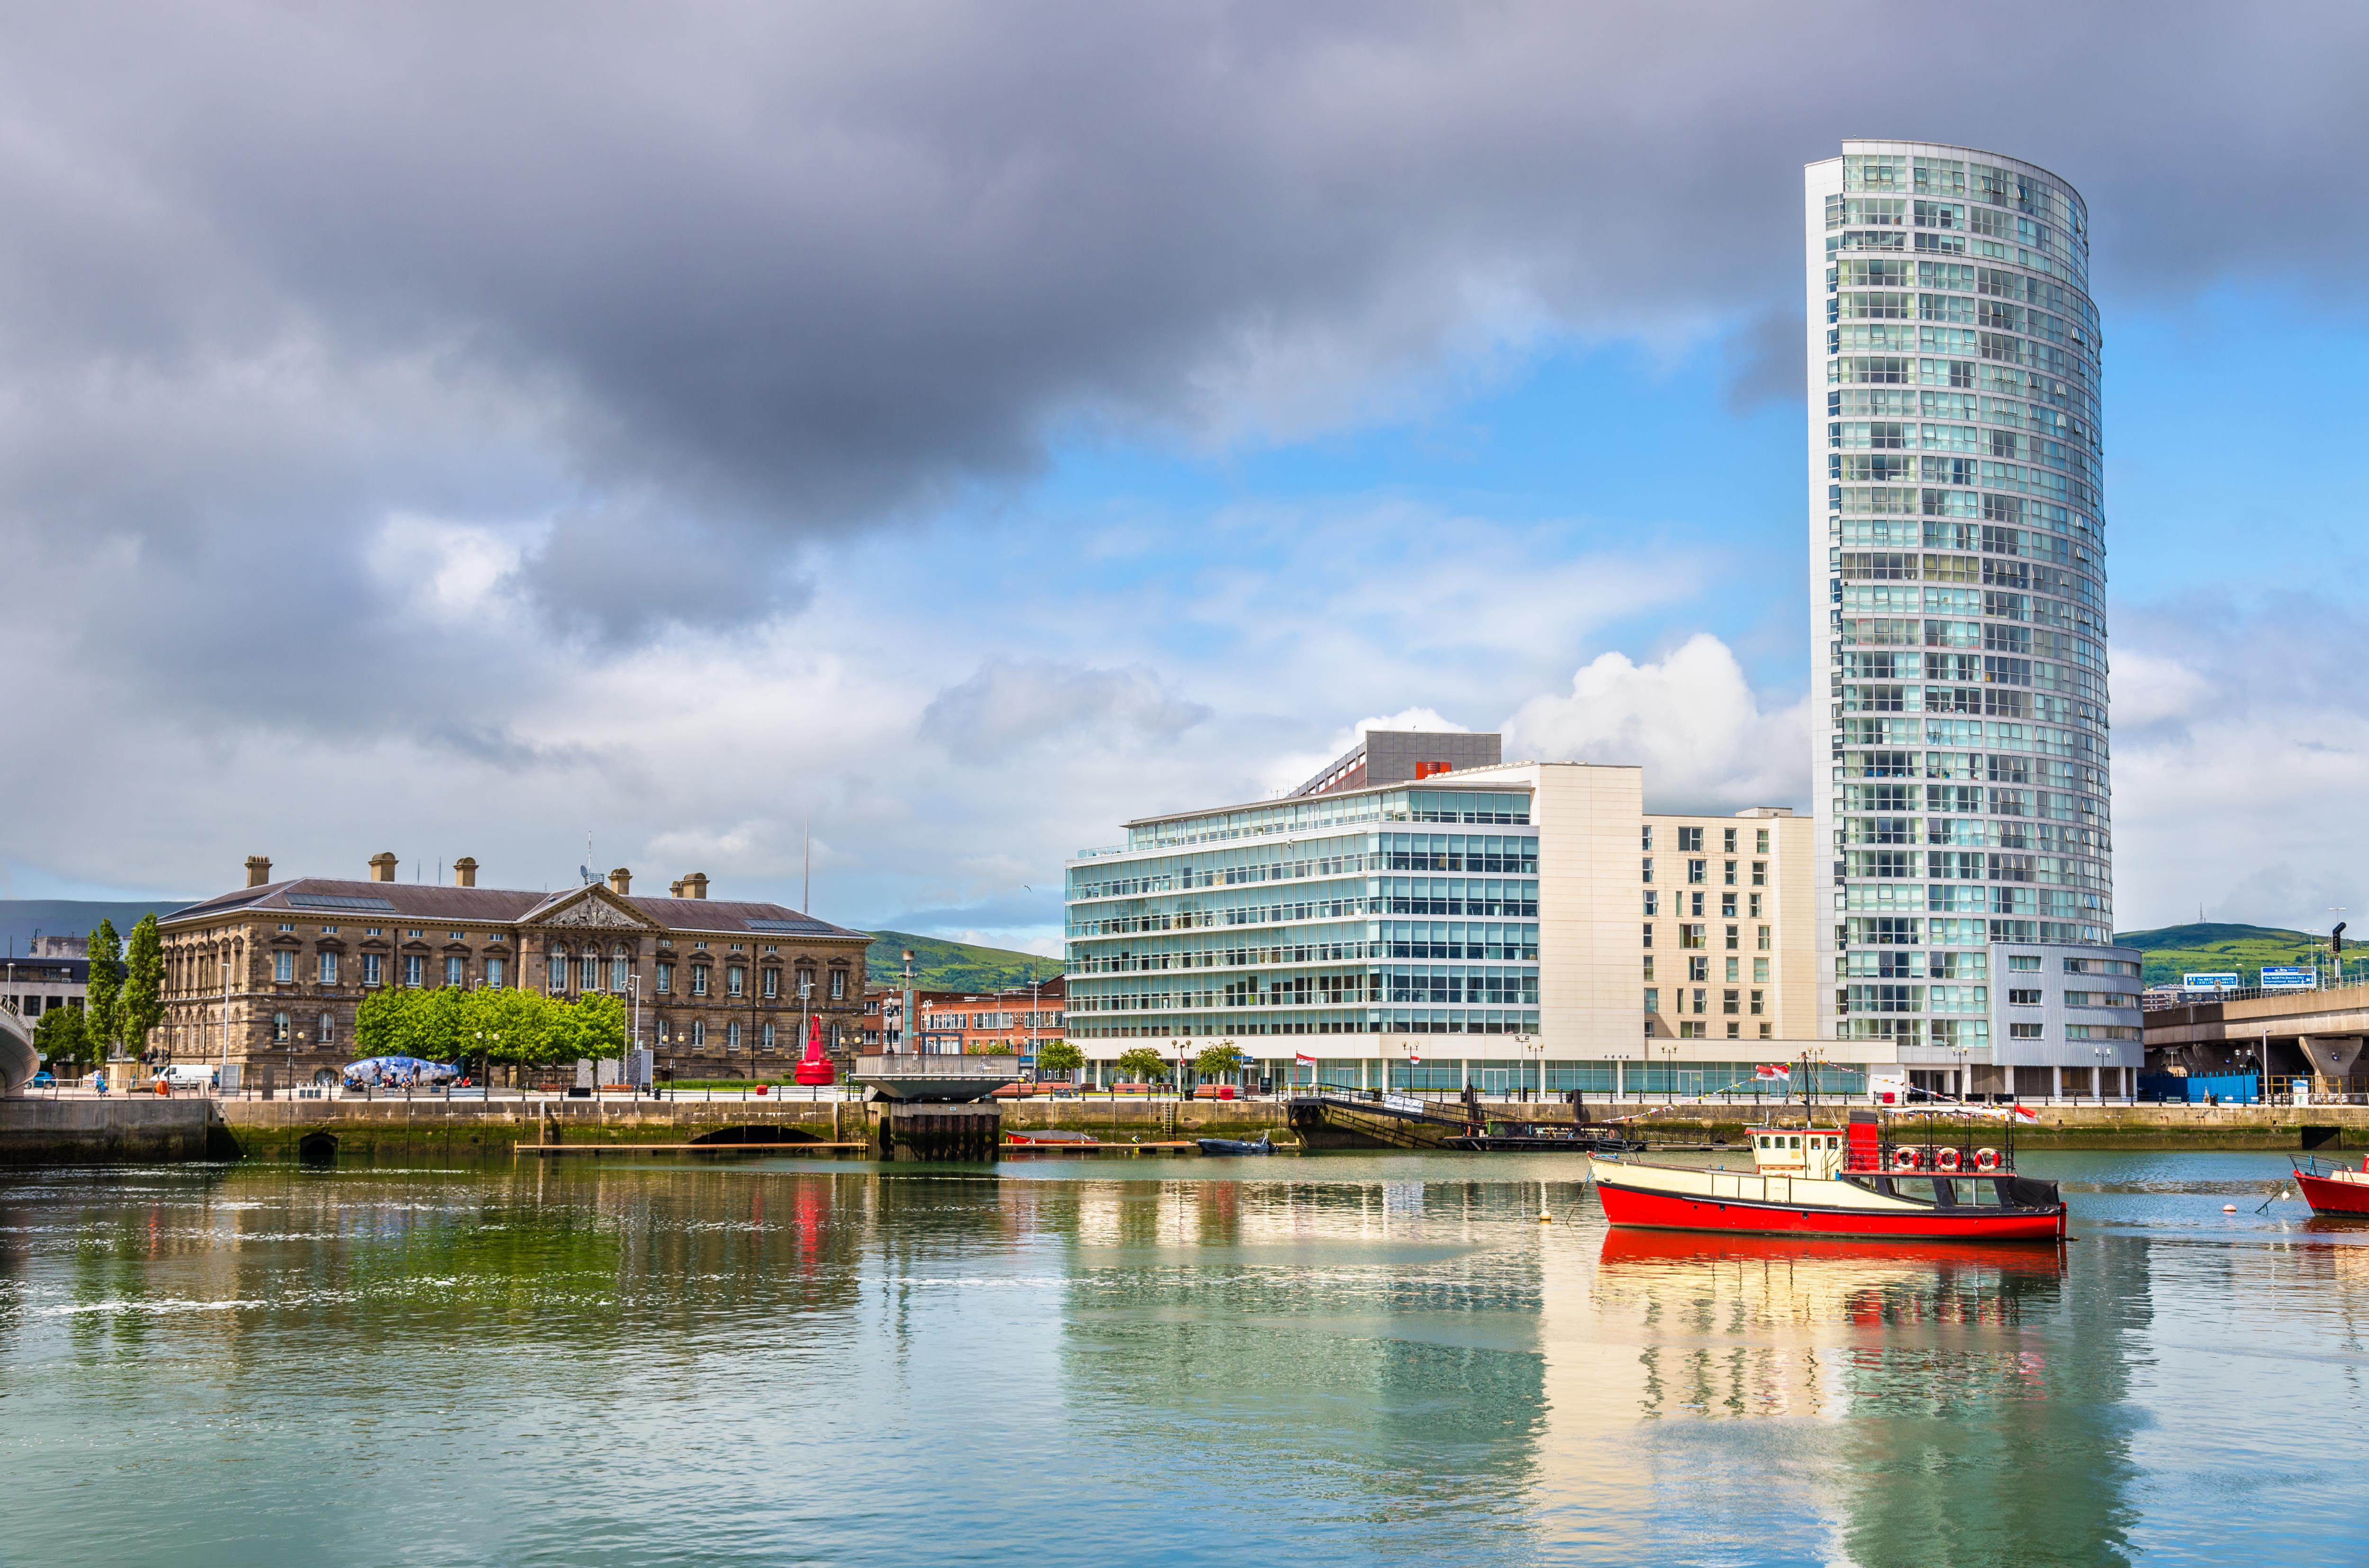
{"x": 2333, "y": 1189}
{"x": 1854, "y": 1181}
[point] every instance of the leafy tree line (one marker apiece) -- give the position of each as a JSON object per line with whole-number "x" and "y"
{"x": 123, "y": 1003}
{"x": 1143, "y": 1064}
{"x": 523, "y": 1028}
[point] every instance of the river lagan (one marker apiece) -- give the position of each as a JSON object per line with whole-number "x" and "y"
{"x": 1342, "y": 1359}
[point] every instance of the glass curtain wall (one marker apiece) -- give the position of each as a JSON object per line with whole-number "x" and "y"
{"x": 1402, "y": 911}
{"x": 1959, "y": 575}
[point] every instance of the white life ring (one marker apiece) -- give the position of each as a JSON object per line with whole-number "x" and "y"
{"x": 1947, "y": 1160}
{"x": 1986, "y": 1159}
{"x": 1906, "y": 1158}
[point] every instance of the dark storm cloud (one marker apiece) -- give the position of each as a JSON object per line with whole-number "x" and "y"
{"x": 699, "y": 281}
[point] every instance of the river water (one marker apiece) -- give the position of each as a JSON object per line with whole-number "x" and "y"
{"x": 1339, "y": 1359}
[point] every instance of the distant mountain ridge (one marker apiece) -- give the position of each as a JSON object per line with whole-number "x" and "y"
{"x": 940, "y": 965}
{"x": 20, "y": 918}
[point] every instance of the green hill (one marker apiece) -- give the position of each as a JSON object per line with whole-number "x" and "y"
{"x": 940, "y": 965}
{"x": 2209, "y": 947}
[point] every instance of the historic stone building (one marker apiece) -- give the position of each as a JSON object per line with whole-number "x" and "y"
{"x": 278, "y": 968}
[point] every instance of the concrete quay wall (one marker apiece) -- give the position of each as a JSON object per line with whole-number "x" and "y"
{"x": 462, "y": 1130}
{"x": 37, "y": 1131}
{"x": 466, "y": 1129}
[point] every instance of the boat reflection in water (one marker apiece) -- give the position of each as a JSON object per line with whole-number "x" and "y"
{"x": 1668, "y": 1248}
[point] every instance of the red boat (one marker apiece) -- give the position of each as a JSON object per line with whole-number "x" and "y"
{"x": 1812, "y": 1181}
{"x": 2333, "y": 1189}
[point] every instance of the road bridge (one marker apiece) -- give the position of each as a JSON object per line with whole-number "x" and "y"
{"x": 2315, "y": 1034}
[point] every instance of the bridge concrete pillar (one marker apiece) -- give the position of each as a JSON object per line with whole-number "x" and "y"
{"x": 2331, "y": 1056}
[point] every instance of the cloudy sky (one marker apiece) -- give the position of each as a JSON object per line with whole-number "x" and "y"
{"x": 457, "y": 429}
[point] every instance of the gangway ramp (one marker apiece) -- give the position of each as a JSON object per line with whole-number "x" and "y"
{"x": 1391, "y": 1121}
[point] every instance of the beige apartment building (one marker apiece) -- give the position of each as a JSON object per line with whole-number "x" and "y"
{"x": 1423, "y": 915}
{"x": 270, "y": 976}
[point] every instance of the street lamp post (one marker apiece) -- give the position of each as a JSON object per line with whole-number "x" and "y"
{"x": 1670, "y": 1073}
{"x": 805, "y": 995}
{"x": 634, "y": 1032}
{"x": 905, "y": 1022}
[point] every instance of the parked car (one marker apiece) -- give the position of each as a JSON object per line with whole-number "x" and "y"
{"x": 42, "y": 1079}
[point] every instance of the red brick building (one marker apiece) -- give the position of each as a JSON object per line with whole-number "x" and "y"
{"x": 953, "y": 1023}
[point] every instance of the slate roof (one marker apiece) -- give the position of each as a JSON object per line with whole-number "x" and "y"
{"x": 316, "y": 897}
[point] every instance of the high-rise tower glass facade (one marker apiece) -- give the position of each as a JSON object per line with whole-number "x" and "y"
{"x": 1959, "y": 635}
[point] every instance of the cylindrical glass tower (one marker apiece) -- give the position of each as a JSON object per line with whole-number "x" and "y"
{"x": 1959, "y": 622}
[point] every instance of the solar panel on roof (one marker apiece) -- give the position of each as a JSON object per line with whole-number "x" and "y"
{"x": 789, "y": 925}
{"x": 332, "y": 902}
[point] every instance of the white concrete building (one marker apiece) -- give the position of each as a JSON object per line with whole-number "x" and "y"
{"x": 1517, "y": 927}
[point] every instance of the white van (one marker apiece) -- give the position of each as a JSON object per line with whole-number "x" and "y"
{"x": 188, "y": 1074}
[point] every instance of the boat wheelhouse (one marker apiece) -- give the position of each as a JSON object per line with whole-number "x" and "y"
{"x": 1856, "y": 1180}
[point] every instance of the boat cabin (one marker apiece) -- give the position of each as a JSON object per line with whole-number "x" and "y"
{"x": 1814, "y": 1153}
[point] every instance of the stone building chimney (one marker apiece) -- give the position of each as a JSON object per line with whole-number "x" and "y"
{"x": 382, "y": 867}
{"x": 621, "y": 881}
{"x": 258, "y": 870}
{"x": 464, "y": 872}
{"x": 674, "y": 889}
{"x": 695, "y": 884}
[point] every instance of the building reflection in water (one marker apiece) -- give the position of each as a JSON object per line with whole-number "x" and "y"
{"x": 1871, "y": 1396}
{"x": 1368, "y": 1348}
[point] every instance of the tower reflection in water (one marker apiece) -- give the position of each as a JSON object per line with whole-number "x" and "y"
{"x": 1963, "y": 1400}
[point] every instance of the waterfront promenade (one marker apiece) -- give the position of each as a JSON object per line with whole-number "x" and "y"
{"x": 74, "y": 1127}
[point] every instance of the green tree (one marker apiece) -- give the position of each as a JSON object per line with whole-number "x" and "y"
{"x": 380, "y": 1023}
{"x": 101, "y": 1021}
{"x": 141, "y": 1006}
{"x": 436, "y": 1025}
{"x": 512, "y": 1026}
{"x": 60, "y": 1037}
{"x": 1216, "y": 1061}
{"x": 1060, "y": 1056}
{"x": 1142, "y": 1064}
{"x": 589, "y": 1028}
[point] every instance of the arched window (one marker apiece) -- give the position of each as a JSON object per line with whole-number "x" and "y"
{"x": 589, "y": 972}
{"x": 280, "y": 1026}
{"x": 559, "y": 969}
{"x": 732, "y": 1036}
{"x": 768, "y": 1037}
{"x": 328, "y": 1028}
{"x": 699, "y": 1034}
{"x": 620, "y": 969}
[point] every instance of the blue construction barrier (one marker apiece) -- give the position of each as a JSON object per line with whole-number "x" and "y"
{"x": 2230, "y": 1088}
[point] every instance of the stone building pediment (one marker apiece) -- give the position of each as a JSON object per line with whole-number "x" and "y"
{"x": 594, "y": 907}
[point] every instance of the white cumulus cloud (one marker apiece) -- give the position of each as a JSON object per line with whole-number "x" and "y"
{"x": 1692, "y": 720}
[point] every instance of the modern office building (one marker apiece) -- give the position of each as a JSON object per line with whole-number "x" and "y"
{"x": 1510, "y": 926}
{"x": 1962, "y": 772}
